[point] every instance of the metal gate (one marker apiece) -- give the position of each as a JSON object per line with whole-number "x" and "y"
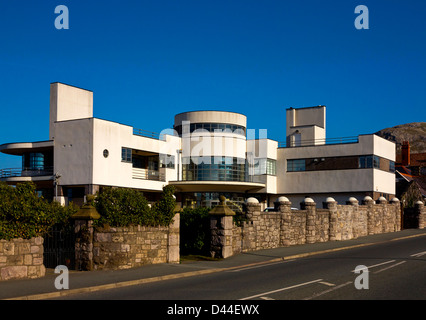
{"x": 59, "y": 247}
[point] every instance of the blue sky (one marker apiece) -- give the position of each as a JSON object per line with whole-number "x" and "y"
{"x": 146, "y": 61}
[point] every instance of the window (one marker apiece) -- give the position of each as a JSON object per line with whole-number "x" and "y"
{"x": 265, "y": 166}
{"x": 36, "y": 161}
{"x": 167, "y": 161}
{"x": 126, "y": 155}
{"x": 365, "y": 162}
{"x": 392, "y": 166}
{"x": 296, "y": 165}
{"x": 376, "y": 162}
{"x": 259, "y": 166}
{"x": 271, "y": 167}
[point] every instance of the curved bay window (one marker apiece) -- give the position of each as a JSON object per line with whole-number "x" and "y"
{"x": 214, "y": 169}
{"x": 213, "y": 127}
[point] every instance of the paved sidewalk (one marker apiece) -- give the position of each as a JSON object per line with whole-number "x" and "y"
{"x": 84, "y": 281}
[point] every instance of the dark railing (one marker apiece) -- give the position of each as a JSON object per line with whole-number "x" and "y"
{"x": 26, "y": 172}
{"x": 318, "y": 142}
{"x": 147, "y": 134}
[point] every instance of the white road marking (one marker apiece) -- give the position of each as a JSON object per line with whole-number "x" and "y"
{"x": 282, "y": 289}
{"x": 260, "y": 266}
{"x": 329, "y": 290}
{"x": 376, "y": 265}
{"x": 418, "y": 254}
{"x": 327, "y": 283}
{"x": 394, "y": 265}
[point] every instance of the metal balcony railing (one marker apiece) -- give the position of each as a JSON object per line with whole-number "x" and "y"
{"x": 26, "y": 172}
{"x": 146, "y": 174}
{"x": 147, "y": 134}
{"x": 318, "y": 142}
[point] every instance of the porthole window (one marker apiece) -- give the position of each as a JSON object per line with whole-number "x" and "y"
{"x": 106, "y": 153}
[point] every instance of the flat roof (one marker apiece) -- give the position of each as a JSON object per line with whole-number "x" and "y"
{"x": 313, "y": 107}
{"x": 211, "y": 111}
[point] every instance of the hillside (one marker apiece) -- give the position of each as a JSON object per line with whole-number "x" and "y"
{"x": 414, "y": 132}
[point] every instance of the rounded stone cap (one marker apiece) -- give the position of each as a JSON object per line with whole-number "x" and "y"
{"x": 308, "y": 200}
{"x": 282, "y": 199}
{"x": 252, "y": 200}
{"x": 419, "y": 203}
{"x": 330, "y": 199}
{"x": 353, "y": 199}
{"x": 395, "y": 199}
{"x": 368, "y": 198}
{"x": 382, "y": 199}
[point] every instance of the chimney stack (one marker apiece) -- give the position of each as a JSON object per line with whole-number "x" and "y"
{"x": 405, "y": 159}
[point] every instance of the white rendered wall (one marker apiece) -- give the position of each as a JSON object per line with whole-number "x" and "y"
{"x": 68, "y": 103}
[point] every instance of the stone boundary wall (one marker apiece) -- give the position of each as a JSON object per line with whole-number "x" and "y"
{"x": 21, "y": 259}
{"x": 286, "y": 227}
{"x": 125, "y": 247}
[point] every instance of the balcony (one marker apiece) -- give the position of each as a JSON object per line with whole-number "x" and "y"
{"x": 25, "y": 172}
{"x": 146, "y": 174}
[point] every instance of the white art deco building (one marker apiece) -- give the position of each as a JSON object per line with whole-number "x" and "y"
{"x": 206, "y": 154}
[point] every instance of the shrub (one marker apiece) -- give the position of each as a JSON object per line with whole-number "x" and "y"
{"x": 164, "y": 210}
{"x": 23, "y": 214}
{"x": 122, "y": 207}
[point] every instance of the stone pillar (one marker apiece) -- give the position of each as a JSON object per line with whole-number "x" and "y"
{"x": 173, "y": 253}
{"x": 333, "y": 233}
{"x": 83, "y": 228}
{"x": 83, "y": 244}
{"x": 253, "y": 210}
{"x": 352, "y": 219}
{"x": 249, "y": 228}
{"x": 310, "y": 206}
{"x": 283, "y": 206}
{"x": 384, "y": 212}
{"x": 221, "y": 228}
{"x": 421, "y": 213}
{"x": 369, "y": 202}
{"x": 398, "y": 216}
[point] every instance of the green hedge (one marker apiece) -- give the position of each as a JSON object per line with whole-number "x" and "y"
{"x": 23, "y": 214}
{"x": 121, "y": 207}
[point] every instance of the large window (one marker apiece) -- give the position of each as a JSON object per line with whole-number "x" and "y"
{"x": 369, "y": 162}
{"x": 214, "y": 169}
{"x": 296, "y": 165}
{"x": 36, "y": 160}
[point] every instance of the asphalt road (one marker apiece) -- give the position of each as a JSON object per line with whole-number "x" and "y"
{"x": 395, "y": 270}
